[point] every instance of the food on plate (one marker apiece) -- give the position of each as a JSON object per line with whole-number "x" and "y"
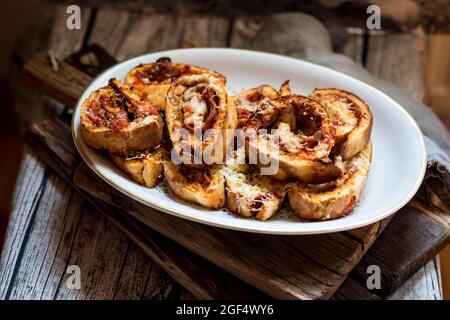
{"x": 144, "y": 167}
{"x": 250, "y": 194}
{"x": 176, "y": 122}
{"x": 114, "y": 119}
{"x": 249, "y": 101}
{"x": 205, "y": 186}
{"x": 351, "y": 118}
{"x": 153, "y": 79}
{"x": 302, "y": 143}
{"x": 198, "y": 113}
{"x": 334, "y": 199}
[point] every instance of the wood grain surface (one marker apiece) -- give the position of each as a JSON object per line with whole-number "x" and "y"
{"x": 79, "y": 234}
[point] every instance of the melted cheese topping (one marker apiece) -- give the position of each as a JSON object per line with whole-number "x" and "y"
{"x": 289, "y": 140}
{"x": 293, "y": 143}
{"x": 239, "y": 183}
{"x": 195, "y": 111}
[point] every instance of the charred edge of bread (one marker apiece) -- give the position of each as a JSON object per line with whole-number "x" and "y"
{"x": 335, "y": 199}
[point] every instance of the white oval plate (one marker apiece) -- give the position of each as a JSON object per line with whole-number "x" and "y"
{"x": 399, "y": 157}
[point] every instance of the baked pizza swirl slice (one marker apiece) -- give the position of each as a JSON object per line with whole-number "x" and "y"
{"x": 117, "y": 120}
{"x": 198, "y": 114}
{"x": 249, "y": 194}
{"x": 351, "y": 118}
{"x": 248, "y": 101}
{"x": 153, "y": 79}
{"x": 297, "y": 141}
{"x": 205, "y": 186}
{"x": 144, "y": 167}
{"x": 334, "y": 199}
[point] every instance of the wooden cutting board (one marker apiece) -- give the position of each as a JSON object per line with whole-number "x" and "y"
{"x": 285, "y": 267}
{"x": 307, "y": 267}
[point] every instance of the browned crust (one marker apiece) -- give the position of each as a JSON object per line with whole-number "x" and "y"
{"x": 145, "y": 168}
{"x": 156, "y": 91}
{"x": 225, "y": 118}
{"x": 246, "y": 107}
{"x": 140, "y": 134}
{"x": 334, "y": 201}
{"x": 308, "y": 171}
{"x": 358, "y": 138}
{"x": 301, "y": 166}
{"x": 263, "y": 206}
{"x": 211, "y": 195}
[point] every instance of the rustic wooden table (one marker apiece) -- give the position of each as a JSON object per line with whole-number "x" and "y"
{"x": 52, "y": 227}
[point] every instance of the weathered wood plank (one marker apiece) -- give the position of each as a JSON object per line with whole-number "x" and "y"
{"x": 35, "y": 266}
{"x": 50, "y": 33}
{"x": 113, "y": 23}
{"x": 354, "y": 46}
{"x": 396, "y": 58}
{"x": 101, "y": 253}
{"x": 408, "y": 249}
{"x": 425, "y": 284}
{"x": 353, "y": 289}
{"x": 162, "y": 32}
{"x": 65, "y": 84}
{"x": 134, "y": 34}
{"x": 31, "y": 185}
{"x": 134, "y": 279}
{"x": 39, "y": 263}
{"x": 29, "y": 189}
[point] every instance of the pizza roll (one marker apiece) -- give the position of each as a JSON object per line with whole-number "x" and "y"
{"x": 351, "y": 118}
{"x": 248, "y": 193}
{"x": 300, "y": 144}
{"x": 248, "y": 101}
{"x": 334, "y": 199}
{"x": 205, "y": 186}
{"x": 119, "y": 121}
{"x": 198, "y": 114}
{"x": 154, "y": 79}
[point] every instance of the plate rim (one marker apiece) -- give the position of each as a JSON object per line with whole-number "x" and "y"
{"x": 264, "y": 228}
